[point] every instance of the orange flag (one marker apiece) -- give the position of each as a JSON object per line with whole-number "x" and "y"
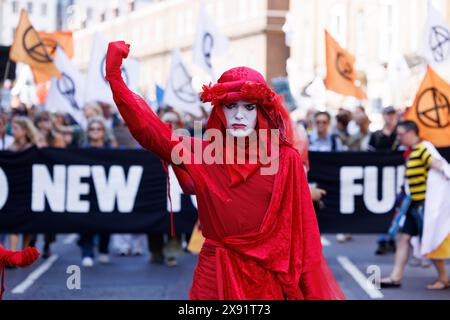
{"x": 61, "y": 38}
{"x": 29, "y": 48}
{"x": 431, "y": 109}
{"x": 341, "y": 75}
{"x": 51, "y": 41}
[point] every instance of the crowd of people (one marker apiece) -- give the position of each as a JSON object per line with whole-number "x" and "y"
{"x": 28, "y": 126}
{"x": 350, "y": 131}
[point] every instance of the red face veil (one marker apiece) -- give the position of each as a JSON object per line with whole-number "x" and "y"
{"x": 243, "y": 83}
{"x": 246, "y": 84}
{"x": 288, "y": 241}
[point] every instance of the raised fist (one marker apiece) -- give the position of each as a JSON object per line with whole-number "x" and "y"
{"x": 22, "y": 258}
{"x": 117, "y": 51}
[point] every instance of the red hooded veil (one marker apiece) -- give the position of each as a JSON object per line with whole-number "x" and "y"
{"x": 262, "y": 238}
{"x": 286, "y": 252}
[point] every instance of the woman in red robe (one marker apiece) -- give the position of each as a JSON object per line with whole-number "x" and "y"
{"x": 10, "y": 258}
{"x": 262, "y": 238}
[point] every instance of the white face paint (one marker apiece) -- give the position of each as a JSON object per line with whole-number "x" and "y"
{"x": 241, "y": 118}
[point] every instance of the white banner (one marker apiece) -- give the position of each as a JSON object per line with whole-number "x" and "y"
{"x": 67, "y": 93}
{"x": 209, "y": 41}
{"x": 179, "y": 93}
{"x": 97, "y": 88}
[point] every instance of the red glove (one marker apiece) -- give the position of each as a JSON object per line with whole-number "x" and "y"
{"x": 19, "y": 258}
{"x": 117, "y": 51}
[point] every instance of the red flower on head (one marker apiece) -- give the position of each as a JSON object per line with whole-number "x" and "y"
{"x": 252, "y": 91}
{"x": 213, "y": 93}
{"x": 206, "y": 95}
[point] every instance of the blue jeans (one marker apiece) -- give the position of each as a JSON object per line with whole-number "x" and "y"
{"x": 86, "y": 242}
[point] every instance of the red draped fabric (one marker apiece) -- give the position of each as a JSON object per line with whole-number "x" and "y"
{"x": 263, "y": 240}
{"x": 15, "y": 258}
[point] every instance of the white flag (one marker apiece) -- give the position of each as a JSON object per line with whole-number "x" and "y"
{"x": 289, "y": 29}
{"x": 25, "y": 87}
{"x": 179, "y": 92}
{"x": 436, "y": 45}
{"x": 97, "y": 88}
{"x": 66, "y": 94}
{"x": 208, "y": 42}
{"x": 397, "y": 89}
{"x": 398, "y": 69}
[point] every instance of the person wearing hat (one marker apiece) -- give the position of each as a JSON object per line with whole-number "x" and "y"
{"x": 262, "y": 238}
{"x": 386, "y": 138}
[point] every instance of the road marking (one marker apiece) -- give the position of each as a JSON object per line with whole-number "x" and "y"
{"x": 32, "y": 277}
{"x": 360, "y": 278}
{"x": 325, "y": 241}
{"x": 70, "y": 239}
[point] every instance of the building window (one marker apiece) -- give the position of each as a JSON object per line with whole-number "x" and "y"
{"x": 116, "y": 12}
{"x": 102, "y": 17}
{"x": 413, "y": 38}
{"x": 220, "y": 13}
{"x": 30, "y": 7}
{"x": 131, "y": 5}
{"x": 89, "y": 13}
{"x": 360, "y": 34}
{"x": 386, "y": 35}
{"x": 44, "y": 9}
{"x": 158, "y": 32}
{"x": 439, "y": 4}
{"x": 15, "y": 7}
{"x": 338, "y": 25}
{"x": 243, "y": 10}
{"x": 255, "y": 6}
{"x": 180, "y": 23}
{"x": 190, "y": 21}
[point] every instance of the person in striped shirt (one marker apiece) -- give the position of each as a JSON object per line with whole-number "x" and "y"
{"x": 417, "y": 165}
{"x": 418, "y": 162}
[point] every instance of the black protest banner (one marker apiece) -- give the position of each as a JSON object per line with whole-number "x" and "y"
{"x": 92, "y": 190}
{"x": 361, "y": 189}
{"x": 87, "y": 190}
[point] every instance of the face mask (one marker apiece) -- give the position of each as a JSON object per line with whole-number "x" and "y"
{"x": 241, "y": 118}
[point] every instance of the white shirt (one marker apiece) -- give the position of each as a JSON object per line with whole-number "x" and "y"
{"x": 5, "y": 142}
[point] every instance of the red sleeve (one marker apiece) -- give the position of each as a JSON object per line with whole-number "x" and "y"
{"x": 143, "y": 123}
{"x": 3, "y": 253}
{"x": 185, "y": 180}
{"x": 18, "y": 258}
{"x": 317, "y": 281}
{"x": 320, "y": 283}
